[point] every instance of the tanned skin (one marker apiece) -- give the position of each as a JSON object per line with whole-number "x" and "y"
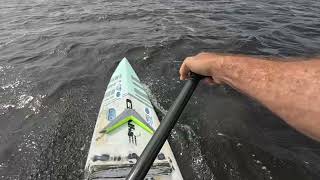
{"x": 290, "y": 89}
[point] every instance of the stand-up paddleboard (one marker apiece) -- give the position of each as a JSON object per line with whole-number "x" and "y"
{"x": 125, "y": 124}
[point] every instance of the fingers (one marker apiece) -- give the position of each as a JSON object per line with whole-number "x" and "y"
{"x": 205, "y": 64}
{"x": 184, "y": 69}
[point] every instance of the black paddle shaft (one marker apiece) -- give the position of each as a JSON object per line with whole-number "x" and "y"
{"x": 141, "y": 168}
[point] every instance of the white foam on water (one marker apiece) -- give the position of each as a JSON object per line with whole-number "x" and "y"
{"x": 220, "y": 134}
{"x": 153, "y": 99}
{"x": 15, "y": 89}
{"x": 145, "y": 56}
{"x": 190, "y": 29}
{"x": 11, "y": 85}
{"x": 6, "y": 106}
{"x": 32, "y": 103}
{"x": 24, "y": 100}
{"x": 36, "y": 104}
{"x": 82, "y": 148}
{"x": 198, "y": 163}
{"x": 3, "y": 165}
{"x": 257, "y": 161}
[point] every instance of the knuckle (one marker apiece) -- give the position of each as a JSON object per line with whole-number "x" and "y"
{"x": 188, "y": 59}
{"x": 203, "y": 53}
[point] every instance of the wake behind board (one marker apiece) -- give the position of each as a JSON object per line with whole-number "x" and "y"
{"x": 124, "y": 126}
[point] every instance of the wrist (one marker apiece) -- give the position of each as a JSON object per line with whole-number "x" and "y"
{"x": 222, "y": 68}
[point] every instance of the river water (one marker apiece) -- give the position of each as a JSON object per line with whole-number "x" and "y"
{"x": 56, "y": 57}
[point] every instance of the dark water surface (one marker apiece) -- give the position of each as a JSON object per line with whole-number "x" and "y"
{"x": 56, "y": 57}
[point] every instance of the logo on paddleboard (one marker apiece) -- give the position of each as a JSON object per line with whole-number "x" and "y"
{"x": 111, "y": 114}
{"x": 149, "y": 120}
{"x": 132, "y": 136}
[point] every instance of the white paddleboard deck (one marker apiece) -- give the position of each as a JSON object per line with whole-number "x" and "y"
{"x": 125, "y": 124}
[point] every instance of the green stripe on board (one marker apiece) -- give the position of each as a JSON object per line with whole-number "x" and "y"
{"x": 125, "y": 120}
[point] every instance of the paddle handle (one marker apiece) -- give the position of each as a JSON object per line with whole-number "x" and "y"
{"x": 141, "y": 168}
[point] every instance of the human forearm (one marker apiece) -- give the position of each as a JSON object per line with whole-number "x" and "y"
{"x": 290, "y": 89}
